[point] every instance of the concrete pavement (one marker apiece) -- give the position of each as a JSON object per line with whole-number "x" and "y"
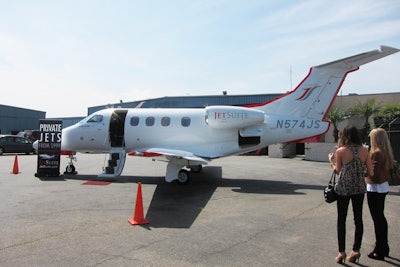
{"x": 240, "y": 211}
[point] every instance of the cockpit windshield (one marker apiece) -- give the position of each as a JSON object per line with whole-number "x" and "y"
{"x": 96, "y": 118}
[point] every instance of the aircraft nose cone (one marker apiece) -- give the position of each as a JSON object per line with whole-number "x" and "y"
{"x": 65, "y": 138}
{"x": 35, "y": 145}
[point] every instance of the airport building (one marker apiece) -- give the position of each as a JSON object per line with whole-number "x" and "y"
{"x": 191, "y": 101}
{"x": 14, "y": 119}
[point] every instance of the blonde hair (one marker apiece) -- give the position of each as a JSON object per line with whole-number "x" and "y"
{"x": 380, "y": 140}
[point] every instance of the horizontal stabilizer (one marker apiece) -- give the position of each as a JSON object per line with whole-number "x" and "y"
{"x": 354, "y": 62}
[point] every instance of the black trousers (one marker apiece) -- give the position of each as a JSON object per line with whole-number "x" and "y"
{"x": 342, "y": 208}
{"x": 376, "y": 204}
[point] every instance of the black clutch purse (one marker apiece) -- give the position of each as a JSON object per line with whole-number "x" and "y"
{"x": 329, "y": 191}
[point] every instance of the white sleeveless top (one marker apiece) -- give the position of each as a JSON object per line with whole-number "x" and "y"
{"x": 378, "y": 188}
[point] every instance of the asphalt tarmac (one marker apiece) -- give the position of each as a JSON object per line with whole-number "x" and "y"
{"x": 239, "y": 211}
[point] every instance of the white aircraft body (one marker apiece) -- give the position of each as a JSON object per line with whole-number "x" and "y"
{"x": 190, "y": 138}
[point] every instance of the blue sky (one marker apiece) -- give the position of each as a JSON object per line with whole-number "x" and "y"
{"x": 64, "y": 56}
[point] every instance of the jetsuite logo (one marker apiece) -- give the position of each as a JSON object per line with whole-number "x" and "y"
{"x": 307, "y": 92}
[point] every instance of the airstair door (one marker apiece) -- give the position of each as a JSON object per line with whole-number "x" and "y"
{"x": 117, "y": 128}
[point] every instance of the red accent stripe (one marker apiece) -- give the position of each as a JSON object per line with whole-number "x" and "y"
{"x": 151, "y": 154}
{"x": 337, "y": 91}
{"x": 145, "y": 154}
{"x": 67, "y": 153}
{"x": 281, "y": 96}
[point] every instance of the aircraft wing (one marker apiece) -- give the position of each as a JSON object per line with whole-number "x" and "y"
{"x": 170, "y": 155}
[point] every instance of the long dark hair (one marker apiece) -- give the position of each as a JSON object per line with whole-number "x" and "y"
{"x": 351, "y": 136}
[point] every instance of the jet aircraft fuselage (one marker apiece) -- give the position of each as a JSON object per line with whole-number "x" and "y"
{"x": 192, "y": 137}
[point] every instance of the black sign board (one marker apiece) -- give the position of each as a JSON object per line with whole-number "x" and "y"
{"x": 49, "y": 148}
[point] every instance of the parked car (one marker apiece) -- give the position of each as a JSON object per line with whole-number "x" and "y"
{"x": 15, "y": 144}
{"x": 32, "y": 135}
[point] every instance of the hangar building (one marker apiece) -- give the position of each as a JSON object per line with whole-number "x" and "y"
{"x": 14, "y": 119}
{"x": 192, "y": 101}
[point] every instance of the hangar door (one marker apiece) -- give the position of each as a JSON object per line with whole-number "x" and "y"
{"x": 117, "y": 128}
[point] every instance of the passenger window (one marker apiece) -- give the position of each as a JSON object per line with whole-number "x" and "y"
{"x": 135, "y": 121}
{"x": 185, "y": 121}
{"x": 165, "y": 121}
{"x": 150, "y": 121}
{"x": 96, "y": 118}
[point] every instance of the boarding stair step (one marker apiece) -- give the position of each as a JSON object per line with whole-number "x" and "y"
{"x": 115, "y": 162}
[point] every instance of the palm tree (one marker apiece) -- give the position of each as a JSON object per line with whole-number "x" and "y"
{"x": 366, "y": 110}
{"x": 336, "y": 115}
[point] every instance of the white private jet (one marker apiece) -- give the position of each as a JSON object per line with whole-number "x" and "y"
{"x": 190, "y": 138}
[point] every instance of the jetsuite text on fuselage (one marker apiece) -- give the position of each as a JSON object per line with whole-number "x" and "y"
{"x": 231, "y": 115}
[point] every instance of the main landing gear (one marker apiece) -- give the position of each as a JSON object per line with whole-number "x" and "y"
{"x": 184, "y": 175}
{"x": 70, "y": 169}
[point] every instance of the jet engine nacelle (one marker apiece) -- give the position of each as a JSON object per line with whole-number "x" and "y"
{"x": 232, "y": 117}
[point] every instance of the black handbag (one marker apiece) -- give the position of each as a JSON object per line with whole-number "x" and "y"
{"x": 329, "y": 191}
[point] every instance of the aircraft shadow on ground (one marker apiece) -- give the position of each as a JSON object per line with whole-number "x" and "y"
{"x": 210, "y": 177}
{"x": 178, "y": 206}
{"x": 174, "y": 206}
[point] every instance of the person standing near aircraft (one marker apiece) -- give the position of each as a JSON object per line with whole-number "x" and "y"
{"x": 352, "y": 159}
{"x": 377, "y": 188}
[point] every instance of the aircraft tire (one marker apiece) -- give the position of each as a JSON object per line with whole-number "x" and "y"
{"x": 183, "y": 177}
{"x": 196, "y": 168}
{"x": 70, "y": 169}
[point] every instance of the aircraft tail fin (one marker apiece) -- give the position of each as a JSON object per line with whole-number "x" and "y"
{"x": 313, "y": 97}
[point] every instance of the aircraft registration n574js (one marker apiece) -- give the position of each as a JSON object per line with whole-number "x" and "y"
{"x": 190, "y": 138}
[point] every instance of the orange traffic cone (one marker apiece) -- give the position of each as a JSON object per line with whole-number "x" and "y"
{"x": 15, "y": 169}
{"x": 138, "y": 217}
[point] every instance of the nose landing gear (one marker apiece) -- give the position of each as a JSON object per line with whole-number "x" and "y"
{"x": 70, "y": 169}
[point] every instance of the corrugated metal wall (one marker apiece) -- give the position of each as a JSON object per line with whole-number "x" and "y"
{"x": 14, "y": 119}
{"x": 193, "y": 101}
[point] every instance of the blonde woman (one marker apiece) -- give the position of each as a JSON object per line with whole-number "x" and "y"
{"x": 377, "y": 187}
